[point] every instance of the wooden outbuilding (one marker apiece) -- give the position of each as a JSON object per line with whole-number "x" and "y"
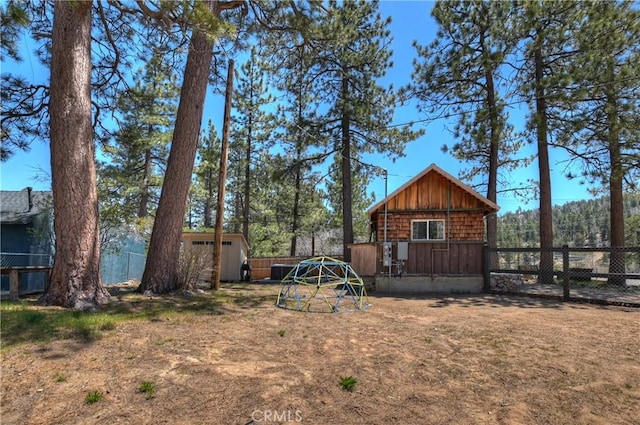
{"x": 235, "y": 251}
{"x": 433, "y": 240}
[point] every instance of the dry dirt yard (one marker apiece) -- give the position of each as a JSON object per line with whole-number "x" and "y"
{"x": 238, "y": 359}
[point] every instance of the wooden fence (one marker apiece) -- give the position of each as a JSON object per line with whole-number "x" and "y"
{"x": 261, "y": 266}
{"x": 14, "y": 277}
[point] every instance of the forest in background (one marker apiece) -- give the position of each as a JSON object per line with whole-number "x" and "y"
{"x": 578, "y": 224}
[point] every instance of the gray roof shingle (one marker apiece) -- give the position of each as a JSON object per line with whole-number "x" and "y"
{"x": 14, "y": 205}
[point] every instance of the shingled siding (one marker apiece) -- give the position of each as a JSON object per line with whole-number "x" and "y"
{"x": 460, "y": 226}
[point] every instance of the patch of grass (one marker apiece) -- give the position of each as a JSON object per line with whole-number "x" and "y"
{"x": 107, "y": 326}
{"x": 162, "y": 341}
{"x": 86, "y": 332}
{"x": 348, "y": 383}
{"x": 281, "y": 332}
{"x": 130, "y": 356}
{"x": 428, "y": 339}
{"x": 61, "y": 378}
{"x": 148, "y": 388}
{"x": 24, "y": 321}
{"x": 93, "y": 397}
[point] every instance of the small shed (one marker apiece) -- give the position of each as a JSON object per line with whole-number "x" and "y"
{"x": 433, "y": 240}
{"x": 235, "y": 250}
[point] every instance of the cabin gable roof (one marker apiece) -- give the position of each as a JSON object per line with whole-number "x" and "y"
{"x": 425, "y": 192}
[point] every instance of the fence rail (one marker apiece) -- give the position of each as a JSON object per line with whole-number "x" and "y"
{"x": 601, "y": 275}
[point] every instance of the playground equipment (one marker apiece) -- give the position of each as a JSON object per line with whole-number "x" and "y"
{"x": 322, "y": 284}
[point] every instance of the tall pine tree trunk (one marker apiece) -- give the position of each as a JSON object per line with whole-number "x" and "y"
{"x": 295, "y": 226}
{"x": 75, "y": 279}
{"x": 492, "y": 185}
{"x": 160, "y": 273}
{"x": 345, "y": 152}
{"x": 546, "y": 218}
{"x": 617, "y": 265}
{"x": 247, "y": 186}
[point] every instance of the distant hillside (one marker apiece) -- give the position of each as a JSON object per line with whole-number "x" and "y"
{"x": 577, "y": 224}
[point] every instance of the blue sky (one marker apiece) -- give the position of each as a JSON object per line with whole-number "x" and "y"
{"x": 411, "y": 21}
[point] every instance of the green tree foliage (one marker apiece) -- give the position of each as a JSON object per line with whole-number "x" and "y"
{"x": 204, "y": 190}
{"x": 14, "y": 18}
{"x": 253, "y": 133}
{"x": 131, "y": 177}
{"x": 19, "y": 98}
{"x": 118, "y": 34}
{"x": 271, "y": 210}
{"x": 292, "y": 71}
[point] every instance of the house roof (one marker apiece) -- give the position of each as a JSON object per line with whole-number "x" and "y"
{"x": 15, "y": 208}
{"x": 433, "y": 168}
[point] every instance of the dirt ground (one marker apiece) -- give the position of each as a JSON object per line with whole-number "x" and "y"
{"x": 424, "y": 360}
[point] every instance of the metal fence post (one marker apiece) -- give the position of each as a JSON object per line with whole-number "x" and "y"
{"x": 565, "y": 273}
{"x": 126, "y": 278}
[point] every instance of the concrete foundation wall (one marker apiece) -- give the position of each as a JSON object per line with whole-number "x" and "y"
{"x": 426, "y": 284}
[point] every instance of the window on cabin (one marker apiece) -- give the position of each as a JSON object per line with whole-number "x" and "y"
{"x": 427, "y": 230}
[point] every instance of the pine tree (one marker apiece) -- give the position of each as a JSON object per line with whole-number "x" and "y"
{"x": 354, "y": 55}
{"x": 459, "y": 74}
{"x": 292, "y": 72}
{"x": 602, "y": 113}
{"x": 164, "y": 247}
{"x": 253, "y": 133}
{"x": 204, "y": 190}
{"x": 544, "y": 28}
{"x": 75, "y": 278}
{"x": 137, "y": 155}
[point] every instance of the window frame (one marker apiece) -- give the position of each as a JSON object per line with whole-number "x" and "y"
{"x": 428, "y": 222}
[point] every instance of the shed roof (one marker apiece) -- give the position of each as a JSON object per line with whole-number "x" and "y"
{"x": 489, "y": 207}
{"x": 15, "y": 207}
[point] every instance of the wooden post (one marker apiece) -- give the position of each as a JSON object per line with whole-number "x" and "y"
{"x": 222, "y": 181}
{"x": 486, "y": 271}
{"x": 14, "y": 285}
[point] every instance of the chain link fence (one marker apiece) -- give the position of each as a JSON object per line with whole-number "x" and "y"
{"x": 114, "y": 268}
{"x": 121, "y": 267}
{"x": 601, "y": 275}
{"x": 17, "y": 259}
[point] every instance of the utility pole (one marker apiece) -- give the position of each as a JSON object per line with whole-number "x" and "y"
{"x": 222, "y": 182}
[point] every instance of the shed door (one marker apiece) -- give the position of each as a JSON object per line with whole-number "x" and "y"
{"x": 229, "y": 271}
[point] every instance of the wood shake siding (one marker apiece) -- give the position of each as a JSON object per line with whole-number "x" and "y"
{"x": 460, "y": 226}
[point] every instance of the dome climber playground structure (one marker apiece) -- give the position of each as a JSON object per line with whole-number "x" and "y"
{"x": 322, "y": 284}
